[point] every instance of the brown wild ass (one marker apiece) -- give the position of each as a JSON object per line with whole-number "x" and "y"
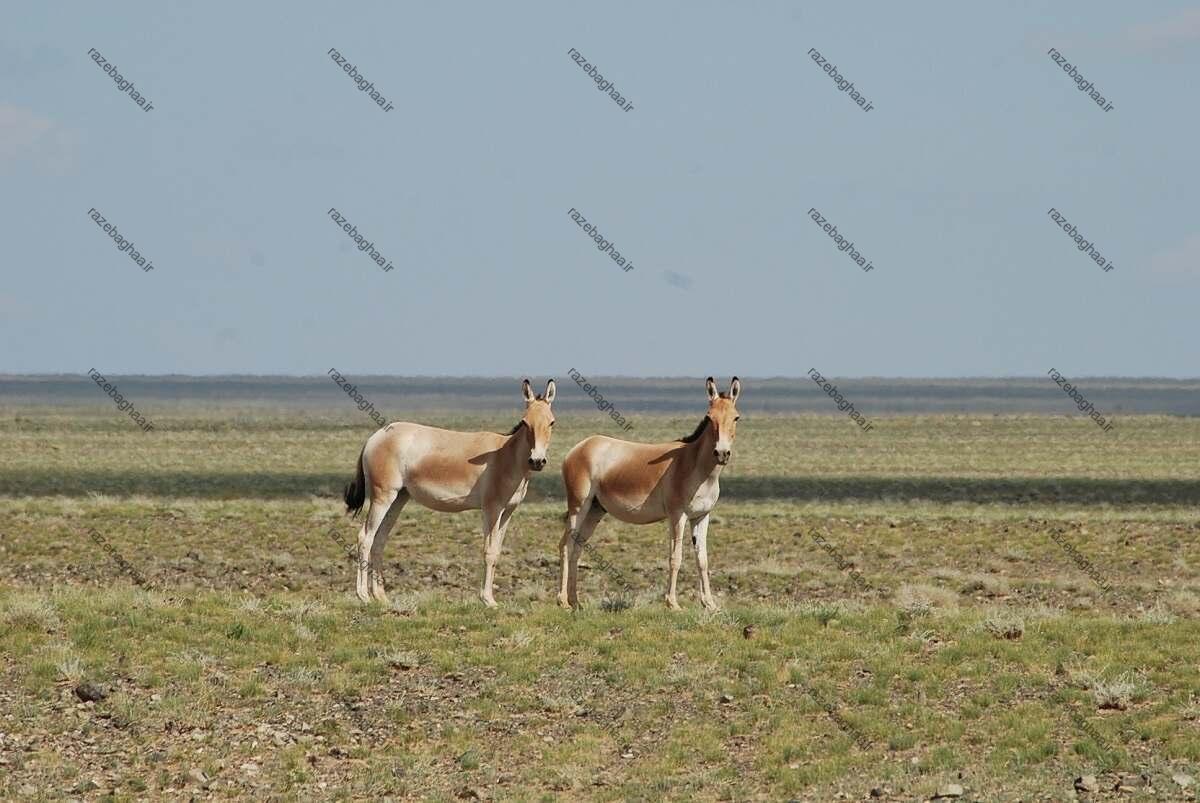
{"x": 449, "y": 472}
{"x": 642, "y": 483}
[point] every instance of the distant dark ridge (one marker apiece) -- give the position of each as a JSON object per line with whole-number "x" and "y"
{"x": 1024, "y": 491}
{"x": 653, "y": 395}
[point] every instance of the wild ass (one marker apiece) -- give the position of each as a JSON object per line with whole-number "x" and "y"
{"x": 642, "y": 483}
{"x": 449, "y": 472}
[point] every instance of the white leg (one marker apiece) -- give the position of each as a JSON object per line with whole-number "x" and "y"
{"x": 364, "y": 548}
{"x": 700, "y": 543}
{"x": 491, "y": 552}
{"x": 375, "y": 567}
{"x": 498, "y": 547}
{"x": 678, "y": 524}
{"x": 578, "y": 541}
{"x": 366, "y": 537}
{"x": 564, "y": 551}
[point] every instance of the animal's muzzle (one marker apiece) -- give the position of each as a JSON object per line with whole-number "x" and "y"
{"x": 722, "y": 456}
{"x": 537, "y": 463}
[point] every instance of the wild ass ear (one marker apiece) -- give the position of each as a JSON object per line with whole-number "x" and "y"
{"x": 527, "y": 391}
{"x": 735, "y": 389}
{"x": 711, "y": 386}
{"x": 550, "y": 391}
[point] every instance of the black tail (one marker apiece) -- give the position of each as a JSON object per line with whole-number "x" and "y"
{"x": 356, "y": 490}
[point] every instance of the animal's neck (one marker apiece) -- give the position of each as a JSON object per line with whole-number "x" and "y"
{"x": 517, "y": 448}
{"x": 698, "y": 461}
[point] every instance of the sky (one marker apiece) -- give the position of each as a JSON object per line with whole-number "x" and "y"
{"x": 704, "y": 186}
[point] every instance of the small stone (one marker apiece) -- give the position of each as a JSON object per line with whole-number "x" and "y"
{"x": 726, "y": 699}
{"x": 199, "y": 777}
{"x": 86, "y": 785}
{"x": 748, "y": 631}
{"x": 875, "y": 790}
{"x": 949, "y": 790}
{"x": 91, "y": 692}
{"x": 1184, "y": 781}
{"x": 1128, "y": 783}
{"x": 1086, "y": 783}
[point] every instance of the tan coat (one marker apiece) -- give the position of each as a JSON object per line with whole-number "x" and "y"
{"x": 450, "y": 472}
{"x": 643, "y": 483}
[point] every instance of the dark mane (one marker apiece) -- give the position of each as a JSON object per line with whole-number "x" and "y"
{"x": 521, "y": 423}
{"x": 703, "y": 425}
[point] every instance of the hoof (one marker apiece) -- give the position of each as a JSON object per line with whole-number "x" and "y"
{"x": 672, "y": 603}
{"x": 563, "y": 602}
{"x": 488, "y": 600}
{"x": 709, "y": 604}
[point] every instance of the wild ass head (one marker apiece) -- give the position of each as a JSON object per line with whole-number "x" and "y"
{"x": 538, "y": 419}
{"x": 722, "y": 417}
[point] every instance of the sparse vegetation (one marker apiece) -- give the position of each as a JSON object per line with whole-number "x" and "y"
{"x": 250, "y": 671}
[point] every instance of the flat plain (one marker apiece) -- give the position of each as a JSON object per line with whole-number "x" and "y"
{"x": 901, "y": 614}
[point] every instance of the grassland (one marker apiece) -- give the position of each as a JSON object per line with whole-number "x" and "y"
{"x": 949, "y": 641}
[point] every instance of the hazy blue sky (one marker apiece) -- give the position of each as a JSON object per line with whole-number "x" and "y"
{"x": 705, "y": 185}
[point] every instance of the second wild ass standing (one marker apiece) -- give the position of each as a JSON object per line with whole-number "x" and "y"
{"x": 643, "y": 483}
{"x": 449, "y": 472}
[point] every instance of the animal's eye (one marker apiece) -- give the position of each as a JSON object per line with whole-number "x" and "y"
{"x": 551, "y": 423}
{"x": 737, "y": 418}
